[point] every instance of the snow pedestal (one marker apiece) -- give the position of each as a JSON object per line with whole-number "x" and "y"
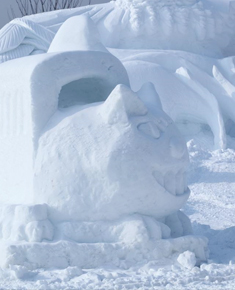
{"x": 30, "y": 240}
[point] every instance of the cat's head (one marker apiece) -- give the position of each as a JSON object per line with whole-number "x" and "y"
{"x": 116, "y": 158}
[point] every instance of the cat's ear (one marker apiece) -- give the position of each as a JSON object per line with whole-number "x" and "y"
{"x": 150, "y": 97}
{"x": 122, "y": 104}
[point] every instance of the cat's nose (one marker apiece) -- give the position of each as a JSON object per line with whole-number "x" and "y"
{"x": 177, "y": 147}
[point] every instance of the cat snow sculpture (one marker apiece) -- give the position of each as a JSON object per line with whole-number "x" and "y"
{"x": 108, "y": 185}
{"x": 109, "y": 180}
{"x": 92, "y": 173}
{"x": 109, "y": 160}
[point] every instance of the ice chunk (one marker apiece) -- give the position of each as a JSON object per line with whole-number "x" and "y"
{"x": 187, "y": 259}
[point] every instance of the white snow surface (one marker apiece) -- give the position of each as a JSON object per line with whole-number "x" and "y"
{"x": 92, "y": 179}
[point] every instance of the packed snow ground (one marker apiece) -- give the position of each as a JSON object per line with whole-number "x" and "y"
{"x": 211, "y": 208}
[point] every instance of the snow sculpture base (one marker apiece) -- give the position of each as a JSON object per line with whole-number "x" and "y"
{"x": 29, "y": 239}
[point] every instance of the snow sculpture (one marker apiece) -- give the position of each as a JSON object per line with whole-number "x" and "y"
{"x": 204, "y": 102}
{"x": 48, "y": 82}
{"x": 155, "y": 24}
{"x": 196, "y": 95}
{"x": 22, "y": 37}
{"x": 90, "y": 168}
{"x": 111, "y": 180}
{"x": 140, "y": 158}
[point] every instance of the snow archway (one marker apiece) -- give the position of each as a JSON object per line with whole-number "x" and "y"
{"x": 83, "y": 91}
{"x": 83, "y": 76}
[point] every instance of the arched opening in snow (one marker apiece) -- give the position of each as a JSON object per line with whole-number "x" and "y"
{"x": 230, "y": 128}
{"x": 84, "y": 91}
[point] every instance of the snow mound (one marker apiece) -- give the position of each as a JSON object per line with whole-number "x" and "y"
{"x": 187, "y": 259}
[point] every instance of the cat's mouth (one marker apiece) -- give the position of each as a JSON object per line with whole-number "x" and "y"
{"x": 173, "y": 182}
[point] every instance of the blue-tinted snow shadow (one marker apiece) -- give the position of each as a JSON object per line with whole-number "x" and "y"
{"x": 217, "y": 177}
{"x": 221, "y": 242}
{"x": 202, "y": 174}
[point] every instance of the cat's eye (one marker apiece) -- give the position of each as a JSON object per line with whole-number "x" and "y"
{"x": 150, "y": 129}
